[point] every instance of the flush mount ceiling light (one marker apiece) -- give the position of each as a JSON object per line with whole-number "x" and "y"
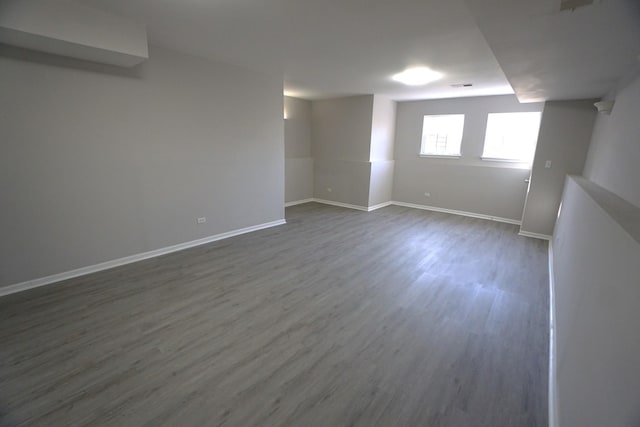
{"x": 417, "y": 76}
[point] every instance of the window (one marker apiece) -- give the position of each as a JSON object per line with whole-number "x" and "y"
{"x": 442, "y": 135}
{"x": 511, "y": 136}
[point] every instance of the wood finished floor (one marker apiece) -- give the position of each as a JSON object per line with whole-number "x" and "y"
{"x": 397, "y": 317}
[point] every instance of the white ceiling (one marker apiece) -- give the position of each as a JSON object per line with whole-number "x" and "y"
{"x": 552, "y": 55}
{"x": 327, "y": 48}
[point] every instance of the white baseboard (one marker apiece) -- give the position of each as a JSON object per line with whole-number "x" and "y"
{"x": 342, "y": 205}
{"x": 378, "y": 206}
{"x": 29, "y": 284}
{"x": 456, "y": 212}
{"x": 534, "y": 235}
{"x": 415, "y": 206}
{"x": 298, "y": 202}
{"x": 553, "y": 386}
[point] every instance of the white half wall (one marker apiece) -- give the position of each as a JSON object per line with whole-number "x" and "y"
{"x": 99, "y": 164}
{"x": 596, "y": 248}
{"x": 597, "y": 266}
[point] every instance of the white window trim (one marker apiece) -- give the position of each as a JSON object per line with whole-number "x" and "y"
{"x": 440, "y": 156}
{"x": 503, "y": 160}
{"x": 528, "y": 163}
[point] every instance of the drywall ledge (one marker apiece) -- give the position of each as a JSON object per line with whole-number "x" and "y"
{"x": 55, "y": 278}
{"x": 622, "y": 212}
{"x": 534, "y": 235}
{"x": 73, "y": 30}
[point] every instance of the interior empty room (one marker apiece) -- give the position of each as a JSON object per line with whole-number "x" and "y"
{"x": 320, "y": 213}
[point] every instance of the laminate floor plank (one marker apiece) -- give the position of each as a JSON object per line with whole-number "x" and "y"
{"x": 397, "y": 317}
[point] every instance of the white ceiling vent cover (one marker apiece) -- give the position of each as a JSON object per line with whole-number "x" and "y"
{"x": 574, "y": 4}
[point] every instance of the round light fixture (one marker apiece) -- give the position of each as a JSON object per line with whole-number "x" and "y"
{"x": 417, "y": 76}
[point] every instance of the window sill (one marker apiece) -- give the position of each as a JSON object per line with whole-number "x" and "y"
{"x": 440, "y": 156}
{"x": 496, "y": 159}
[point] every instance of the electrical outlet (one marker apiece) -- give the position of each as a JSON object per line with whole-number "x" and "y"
{"x": 547, "y": 164}
{"x": 329, "y": 190}
{"x": 202, "y": 220}
{"x": 427, "y": 194}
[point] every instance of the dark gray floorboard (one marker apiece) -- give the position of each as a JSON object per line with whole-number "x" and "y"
{"x": 397, "y": 317}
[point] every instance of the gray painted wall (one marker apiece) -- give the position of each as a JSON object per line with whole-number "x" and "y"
{"x": 99, "y": 163}
{"x": 341, "y": 128}
{"x": 341, "y": 146}
{"x": 469, "y": 183}
{"x": 297, "y": 150}
{"x": 565, "y": 133}
{"x": 614, "y": 154}
{"x": 597, "y": 307}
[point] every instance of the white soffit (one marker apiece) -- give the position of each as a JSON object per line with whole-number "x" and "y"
{"x": 73, "y": 30}
{"x": 549, "y": 54}
{"x": 330, "y": 47}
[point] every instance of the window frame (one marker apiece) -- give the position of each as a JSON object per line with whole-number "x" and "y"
{"x": 436, "y": 155}
{"x": 510, "y": 159}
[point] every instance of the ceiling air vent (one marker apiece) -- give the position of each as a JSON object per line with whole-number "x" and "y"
{"x": 462, "y": 85}
{"x": 574, "y": 4}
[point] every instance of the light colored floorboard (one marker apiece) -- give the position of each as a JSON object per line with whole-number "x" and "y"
{"x": 397, "y": 317}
